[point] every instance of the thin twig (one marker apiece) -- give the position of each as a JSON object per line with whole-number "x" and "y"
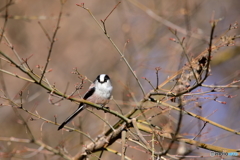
{"x": 117, "y": 105}
{"x": 149, "y": 82}
{"x": 157, "y": 71}
{"x": 14, "y": 51}
{"x": 221, "y": 86}
{"x": 111, "y": 11}
{"x": 123, "y": 144}
{"x": 153, "y": 148}
{"x": 205, "y": 123}
{"x": 15, "y": 75}
{"x": 52, "y": 43}
{"x": 44, "y": 30}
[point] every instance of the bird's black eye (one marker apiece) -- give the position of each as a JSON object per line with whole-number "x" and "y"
{"x": 98, "y": 78}
{"x": 106, "y": 78}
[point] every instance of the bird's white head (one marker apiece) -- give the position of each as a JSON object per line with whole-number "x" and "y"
{"x": 103, "y": 85}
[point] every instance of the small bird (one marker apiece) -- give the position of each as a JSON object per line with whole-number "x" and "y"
{"x": 99, "y": 92}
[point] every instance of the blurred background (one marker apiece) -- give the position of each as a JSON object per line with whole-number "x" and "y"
{"x": 81, "y": 43}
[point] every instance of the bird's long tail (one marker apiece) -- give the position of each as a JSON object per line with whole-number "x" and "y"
{"x": 81, "y": 107}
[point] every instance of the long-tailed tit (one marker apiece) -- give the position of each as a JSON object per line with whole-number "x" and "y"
{"x": 99, "y": 92}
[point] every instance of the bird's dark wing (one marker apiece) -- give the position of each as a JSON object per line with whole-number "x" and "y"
{"x": 89, "y": 93}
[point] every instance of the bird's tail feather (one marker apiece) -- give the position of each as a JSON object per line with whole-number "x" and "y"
{"x": 81, "y": 107}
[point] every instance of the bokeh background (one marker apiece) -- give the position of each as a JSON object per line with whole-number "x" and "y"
{"x": 81, "y": 43}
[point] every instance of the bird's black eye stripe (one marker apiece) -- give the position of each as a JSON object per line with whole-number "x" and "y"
{"x": 98, "y": 78}
{"x": 102, "y": 78}
{"x": 106, "y": 78}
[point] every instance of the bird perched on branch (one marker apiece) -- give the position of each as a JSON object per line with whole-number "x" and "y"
{"x": 99, "y": 92}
